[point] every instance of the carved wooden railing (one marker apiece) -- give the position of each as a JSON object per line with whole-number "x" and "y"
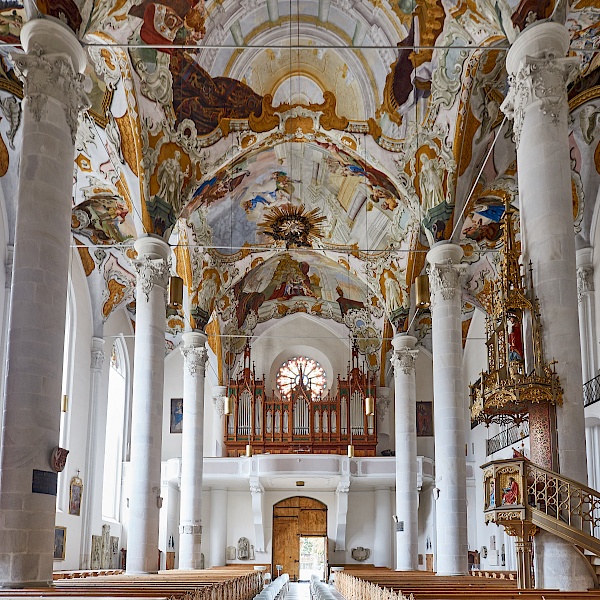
{"x": 523, "y": 497}
{"x": 353, "y": 588}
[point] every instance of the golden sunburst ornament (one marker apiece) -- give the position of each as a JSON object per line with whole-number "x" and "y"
{"x": 290, "y": 224}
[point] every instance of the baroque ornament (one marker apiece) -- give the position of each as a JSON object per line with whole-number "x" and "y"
{"x": 585, "y": 281}
{"x": 293, "y": 226}
{"x": 404, "y": 360}
{"x": 445, "y": 279}
{"x": 151, "y": 272}
{"x": 195, "y": 359}
{"x": 542, "y": 79}
{"x": 51, "y": 75}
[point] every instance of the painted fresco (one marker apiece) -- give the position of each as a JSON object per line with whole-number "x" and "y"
{"x": 12, "y": 17}
{"x": 103, "y": 219}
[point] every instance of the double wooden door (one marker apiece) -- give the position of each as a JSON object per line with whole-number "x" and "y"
{"x": 294, "y": 518}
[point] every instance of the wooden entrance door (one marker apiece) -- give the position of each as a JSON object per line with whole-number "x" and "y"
{"x": 293, "y": 518}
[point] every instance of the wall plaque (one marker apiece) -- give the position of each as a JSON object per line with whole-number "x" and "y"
{"x": 44, "y": 482}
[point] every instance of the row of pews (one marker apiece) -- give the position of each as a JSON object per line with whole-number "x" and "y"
{"x": 211, "y": 584}
{"x": 424, "y": 585}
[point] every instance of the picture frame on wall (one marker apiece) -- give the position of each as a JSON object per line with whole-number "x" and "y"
{"x": 424, "y": 419}
{"x": 75, "y": 495}
{"x": 176, "y": 415}
{"x": 60, "y": 542}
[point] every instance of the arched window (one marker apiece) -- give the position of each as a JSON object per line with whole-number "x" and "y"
{"x": 301, "y": 369}
{"x": 115, "y": 429}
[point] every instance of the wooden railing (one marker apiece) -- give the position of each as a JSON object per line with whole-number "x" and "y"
{"x": 353, "y": 588}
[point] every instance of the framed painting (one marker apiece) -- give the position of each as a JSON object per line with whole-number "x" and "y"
{"x": 60, "y": 542}
{"x": 75, "y": 493}
{"x": 424, "y": 419}
{"x": 176, "y": 415}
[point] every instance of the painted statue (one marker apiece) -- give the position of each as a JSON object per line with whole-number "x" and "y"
{"x": 170, "y": 180}
{"x": 515, "y": 338}
{"x": 430, "y": 182}
{"x": 393, "y": 293}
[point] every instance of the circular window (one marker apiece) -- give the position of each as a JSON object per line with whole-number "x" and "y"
{"x": 302, "y": 370}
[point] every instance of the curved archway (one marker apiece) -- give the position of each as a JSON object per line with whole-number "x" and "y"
{"x": 295, "y": 519}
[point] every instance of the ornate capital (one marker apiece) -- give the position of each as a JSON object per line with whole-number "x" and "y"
{"x": 151, "y": 272}
{"x": 97, "y": 359}
{"x": 383, "y": 405}
{"x": 194, "y": 359}
{"x": 585, "y": 281}
{"x": 51, "y": 76}
{"x": 404, "y": 360}
{"x": 541, "y": 79}
{"x": 444, "y": 279}
{"x": 219, "y": 402}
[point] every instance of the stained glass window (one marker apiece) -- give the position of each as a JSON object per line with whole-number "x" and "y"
{"x": 301, "y": 369}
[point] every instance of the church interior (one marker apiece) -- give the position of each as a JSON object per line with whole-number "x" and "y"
{"x": 301, "y": 285}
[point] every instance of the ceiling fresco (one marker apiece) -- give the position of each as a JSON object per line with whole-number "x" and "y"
{"x": 299, "y": 158}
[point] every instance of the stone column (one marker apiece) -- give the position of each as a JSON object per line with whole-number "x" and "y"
{"x": 192, "y": 451}
{"x": 92, "y": 453}
{"x": 449, "y": 407}
{"x": 218, "y": 396}
{"x": 537, "y": 100}
{"x": 53, "y": 96}
{"x": 147, "y": 404}
{"x": 218, "y": 527}
{"x": 587, "y": 317}
{"x": 407, "y": 495}
{"x": 382, "y": 542}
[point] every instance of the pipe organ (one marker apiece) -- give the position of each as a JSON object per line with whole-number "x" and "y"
{"x": 301, "y": 422}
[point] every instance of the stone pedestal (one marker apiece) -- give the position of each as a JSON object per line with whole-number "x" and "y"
{"x": 537, "y": 100}
{"x": 192, "y": 452}
{"x": 147, "y": 406}
{"x": 449, "y": 408}
{"x": 407, "y": 495}
{"x": 53, "y": 97}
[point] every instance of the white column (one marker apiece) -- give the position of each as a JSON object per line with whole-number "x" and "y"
{"x": 218, "y": 527}
{"x": 407, "y": 495}
{"x": 537, "y": 99}
{"x": 93, "y": 452}
{"x": 53, "y": 89}
{"x": 587, "y": 317}
{"x": 192, "y": 451}
{"x": 449, "y": 407}
{"x": 147, "y": 404}
{"x": 219, "y": 396}
{"x": 382, "y": 542}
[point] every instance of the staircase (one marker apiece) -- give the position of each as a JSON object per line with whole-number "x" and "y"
{"x": 523, "y": 497}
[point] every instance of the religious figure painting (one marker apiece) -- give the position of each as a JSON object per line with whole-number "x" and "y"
{"x": 60, "y": 543}
{"x": 176, "y": 415}
{"x": 424, "y": 419}
{"x": 75, "y": 493}
{"x": 511, "y": 492}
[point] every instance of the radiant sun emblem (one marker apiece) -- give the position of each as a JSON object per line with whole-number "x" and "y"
{"x": 290, "y": 224}
{"x": 301, "y": 370}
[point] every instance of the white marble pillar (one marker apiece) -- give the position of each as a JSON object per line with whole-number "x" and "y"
{"x": 218, "y": 527}
{"x": 219, "y": 395}
{"x": 192, "y": 451}
{"x": 537, "y": 100}
{"x": 407, "y": 495}
{"x": 94, "y": 450}
{"x": 147, "y": 405}
{"x": 449, "y": 408}
{"x": 53, "y": 96}
{"x": 587, "y": 316}
{"x": 382, "y": 542}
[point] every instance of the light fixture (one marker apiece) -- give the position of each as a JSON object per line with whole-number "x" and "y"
{"x": 350, "y": 451}
{"x": 422, "y": 291}
{"x": 369, "y": 406}
{"x": 64, "y": 405}
{"x": 248, "y": 450}
{"x": 227, "y": 407}
{"x": 299, "y": 483}
{"x": 175, "y": 291}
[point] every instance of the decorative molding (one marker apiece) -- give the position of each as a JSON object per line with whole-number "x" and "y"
{"x": 151, "y": 272}
{"x": 542, "y": 79}
{"x": 585, "y": 281}
{"x": 445, "y": 279}
{"x": 404, "y": 360}
{"x": 51, "y": 75}
{"x": 195, "y": 359}
{"x": 97, "y": 359}
{"x": 219, "y": 403}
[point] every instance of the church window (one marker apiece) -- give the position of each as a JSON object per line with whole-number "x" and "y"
{"x": 301, "y": 370}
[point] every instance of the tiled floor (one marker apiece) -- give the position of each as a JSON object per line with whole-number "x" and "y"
{"x": 298, "y": 591}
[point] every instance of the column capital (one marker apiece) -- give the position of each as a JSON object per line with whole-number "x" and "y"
{"x": 404, "y": 355}
{"x": 194, "y": 339}
{"x": 445, "y": 271}
{"x": 585, "y": 281}
{"x": 538, "y": 74}
{"x": 194, "y": 359}
{"x": 151, "y": 263}
{"x": 97, "y": 354}
{"x": 218, "y": 395}
{"x": 52, "y": 67}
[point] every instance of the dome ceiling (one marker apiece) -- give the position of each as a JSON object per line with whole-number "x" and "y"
{"x": 347, "y": 136}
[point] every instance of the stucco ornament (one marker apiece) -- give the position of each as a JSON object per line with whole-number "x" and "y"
{"x": 445, "y": 280}
{"x": 194, "y": 359}
{"x": 151, "y": 272}
{"x": 404, "y": 360}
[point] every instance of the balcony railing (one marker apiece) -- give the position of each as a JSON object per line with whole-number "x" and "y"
{"x": 591, "y": 391}
{"x": 506, "y": 438}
